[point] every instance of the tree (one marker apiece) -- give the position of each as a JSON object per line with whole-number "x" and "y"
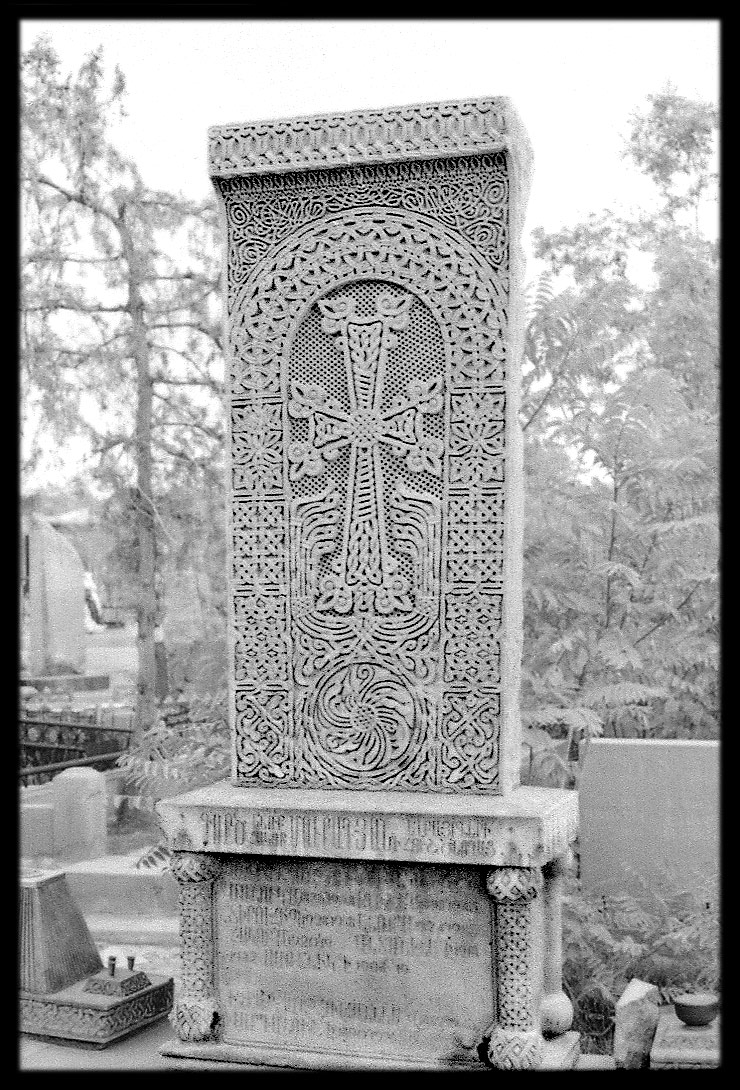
{"x": 120, "y": 336}
{"x": 620, "y": 416}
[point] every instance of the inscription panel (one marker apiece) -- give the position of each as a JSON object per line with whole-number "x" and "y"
{"x": 367, "y": 960}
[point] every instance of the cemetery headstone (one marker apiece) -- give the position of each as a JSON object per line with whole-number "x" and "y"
{"x": 55, "y": 610}
{"x": 649, "y": 815}
{"x": 373, "y": 887}
{"x": 80, "y": 814}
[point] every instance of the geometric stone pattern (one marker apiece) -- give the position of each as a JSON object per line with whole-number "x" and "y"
{"x": 516, "y": 1042}
{"x": 400, "y": 132}
{"x": 195, "y": 1016}
{"x": 67, "y": 1015}
{"x": 367, "y": 326}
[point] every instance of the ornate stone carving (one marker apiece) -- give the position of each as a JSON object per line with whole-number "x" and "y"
{"x": 516, "y": 1040}
{"x": 195, "y": 1015}
{"x": 367, "y": 344}
{"x": 510, "y": 884}
{"x": 337, "y": 139}
{"x": 75, "y": 1021}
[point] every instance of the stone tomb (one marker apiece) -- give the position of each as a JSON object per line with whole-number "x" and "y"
{"x": 373, "y": 886}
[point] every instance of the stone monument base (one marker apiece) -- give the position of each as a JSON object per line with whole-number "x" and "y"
{"x": 559, "y": 1054}
{"x": 371, "y": 929}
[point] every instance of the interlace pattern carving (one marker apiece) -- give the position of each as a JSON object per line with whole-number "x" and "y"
{"x": 367, "y": 342}
{"x": 397, "y": 132}
{"x": 516, "y": 1041}
{"x": 67, "y": 1020}
{"x": 195, "y": 1016}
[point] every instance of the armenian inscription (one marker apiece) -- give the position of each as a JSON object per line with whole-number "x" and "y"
{"x": 370, "y": 960}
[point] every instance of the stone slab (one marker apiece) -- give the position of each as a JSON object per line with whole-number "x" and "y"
{"x": 677, "y": 1045}
{"x": 80, "y": 818}
{"x": 37, "y": 830}
{"x": 558, "y": 1055}
{"x": 649, "y": 814}
{"x": 526, "y": 828}
{"x": 354, "y": 961}
{"x": 113, "y": 885}
{"x": 93, "y": 1019}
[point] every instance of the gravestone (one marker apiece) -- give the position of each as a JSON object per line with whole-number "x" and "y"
{"x": 373, "y": 887}
{"x": 54, "y": 608}
{"x": 80, "y": 814}
{"x": 649, "y": 816}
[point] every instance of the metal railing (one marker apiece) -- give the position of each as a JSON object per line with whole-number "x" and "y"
{"x": 76, "y": 738}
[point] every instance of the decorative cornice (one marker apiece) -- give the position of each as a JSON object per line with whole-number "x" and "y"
{"x": 363, "y": 136}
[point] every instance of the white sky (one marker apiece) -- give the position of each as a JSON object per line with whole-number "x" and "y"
{"x": 574, "y": 83}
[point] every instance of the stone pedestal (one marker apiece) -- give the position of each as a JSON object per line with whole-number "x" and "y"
{"x": 367, "y": 929}
{"x": 373, "y": 887}
{"x": 677, "y": 1045}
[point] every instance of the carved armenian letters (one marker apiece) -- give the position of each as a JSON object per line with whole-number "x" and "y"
{"x": 367, "y": 339}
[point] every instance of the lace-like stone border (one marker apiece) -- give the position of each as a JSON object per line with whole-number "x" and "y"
{"x": 367, "y": 136}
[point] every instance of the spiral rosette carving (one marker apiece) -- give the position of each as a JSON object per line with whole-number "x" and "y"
{"x": 509, "y": 884}
{"x": 512, "y": 1050}
{"x": 364, "y": 720}
{"x": 195, "y": 1020}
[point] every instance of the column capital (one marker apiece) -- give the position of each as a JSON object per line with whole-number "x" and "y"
{"x": 191, "y": 867}
{"x": 510, "y": 884}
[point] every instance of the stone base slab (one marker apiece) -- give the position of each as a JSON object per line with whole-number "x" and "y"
{"x": 560, "y": 1053}
{"x": 676, "y": 1045}
{"x": 528, "y": 827}
{"x": 92, "y": 1020}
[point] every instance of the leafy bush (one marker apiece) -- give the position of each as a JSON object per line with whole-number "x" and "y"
{"x": 670, "y": 940}
{"x": 187, "y": 747}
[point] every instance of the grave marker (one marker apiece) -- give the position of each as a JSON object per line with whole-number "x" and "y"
{"x": 374, "y": 335}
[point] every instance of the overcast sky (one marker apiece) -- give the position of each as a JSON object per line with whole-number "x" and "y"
{"x": 574, "y": 83}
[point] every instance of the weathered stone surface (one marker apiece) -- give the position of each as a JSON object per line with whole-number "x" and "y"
{"x": 374, "y": 328}
{"x": 355, "y": 960}
{"x": 55, "y": 945}
{"x": 37, "y": 830}
{"x": 527, "y": 828}
{"x": 677, "y": 1045}
{"x": 649, "y": 815}
{"x": 636, "y": 1019}
{"x": 64, "y": 992}
{"x": 376, "y": 525}
{"x": 55, "y": 606}
{"x": 80, "y": 818}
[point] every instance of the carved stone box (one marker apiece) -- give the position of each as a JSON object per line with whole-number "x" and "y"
{"x": 374, "y": 334}
{"x": 65, "y": 994}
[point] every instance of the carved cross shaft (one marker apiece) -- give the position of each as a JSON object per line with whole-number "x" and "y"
{"x": 366, "y": 573}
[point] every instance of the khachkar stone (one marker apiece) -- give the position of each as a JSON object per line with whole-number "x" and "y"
{"x": 374, "y": 330}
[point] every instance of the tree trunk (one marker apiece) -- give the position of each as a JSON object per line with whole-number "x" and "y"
{"x": 144, "y": 505}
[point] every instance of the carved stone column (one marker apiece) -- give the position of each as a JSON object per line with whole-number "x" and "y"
{"x": 516, "y": 1041}
{"x": 195, "y": 1015}
{"x": 556, "y": 1009}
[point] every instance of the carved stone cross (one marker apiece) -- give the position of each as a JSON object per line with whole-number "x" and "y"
{"x": 366, "y": 575}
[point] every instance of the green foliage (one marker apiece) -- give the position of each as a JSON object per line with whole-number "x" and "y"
{"x": 620, "y": 417}
{"x": 671, "y": 941}
{"x": 187, "y": 747}
{"x": 673, "y": 143}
